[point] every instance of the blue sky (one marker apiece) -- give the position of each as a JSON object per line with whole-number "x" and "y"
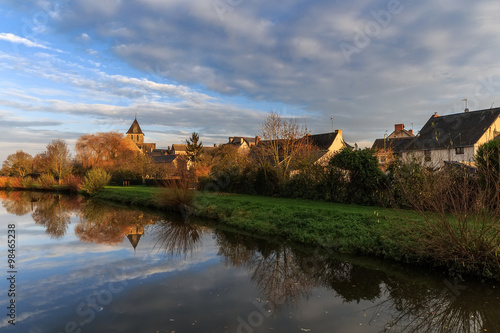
{"x": 217, "y": 67}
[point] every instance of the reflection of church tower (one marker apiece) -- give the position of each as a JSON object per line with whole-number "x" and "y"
{"x": 134, "y": 234}
{"x": 135, "y": 133}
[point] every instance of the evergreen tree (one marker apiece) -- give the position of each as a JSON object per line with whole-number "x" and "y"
{"x": 194, "y": 148}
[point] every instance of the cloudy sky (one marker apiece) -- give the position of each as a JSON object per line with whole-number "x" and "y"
{"x": 218, "y": 67}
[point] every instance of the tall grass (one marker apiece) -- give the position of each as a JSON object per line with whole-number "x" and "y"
{"x": 460, "y": 223}
{"x": 177, "y": 195}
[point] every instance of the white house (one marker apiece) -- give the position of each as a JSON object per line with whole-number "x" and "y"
{"x": 453, "y": 138}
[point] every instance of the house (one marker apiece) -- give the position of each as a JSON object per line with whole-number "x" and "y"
{"x": 328, "y": 144}
{"x": 243, "y": 144}
{"x": 137, "y": 136}
{"x": 388, "y": 148}
{"x": 453, "y": 138}
{"x": 178, "y": 149}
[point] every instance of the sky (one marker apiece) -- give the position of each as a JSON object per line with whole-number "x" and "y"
{"x": 218, "y": 67}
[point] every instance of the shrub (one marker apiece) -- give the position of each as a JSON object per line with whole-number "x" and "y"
{"x": 16, "y": 182}
{"x": 95, "y": 180}
{"x": 177, "y": 195}
{"x": 27, "y": 182}
{"x": 362, "y": 176}
{"x": 46, "y": 181}
{"x": 74, "y": 183}
{"x": 4, "y": 182}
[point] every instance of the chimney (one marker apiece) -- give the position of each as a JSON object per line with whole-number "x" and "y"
{"x": 215, "y": 145}
{"x": 231, "y": 139}
{"x": 435, "y": 115}
{"x": 257, "y": 140}
{"x": 411, "y": 131}
{"x": 399, "y": 127}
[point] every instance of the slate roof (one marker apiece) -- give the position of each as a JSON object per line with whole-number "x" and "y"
{"x": 135, "y": 128}
{"x": 455, "y": 130}
{"x": 177, "y": 147}
{"x": 396, "y": 145}
{"x": 323, "y": 141}
{"x": 163, "y": 158}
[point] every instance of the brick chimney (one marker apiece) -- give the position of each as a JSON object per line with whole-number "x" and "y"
{"x": 411, "y": 131}
{"x": 257, "y": 140}
{"x": 399, "y": 127}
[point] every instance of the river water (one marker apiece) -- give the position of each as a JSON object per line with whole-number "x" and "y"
{"x": 84, "y": 266}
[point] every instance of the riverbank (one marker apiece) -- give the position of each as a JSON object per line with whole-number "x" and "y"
{"x": 346, "y": 228}
{"x": 352, "y": 229}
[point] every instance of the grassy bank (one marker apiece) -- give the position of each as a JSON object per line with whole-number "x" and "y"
{"x": 347, "y": 228}
{"x": 390, "y": 233}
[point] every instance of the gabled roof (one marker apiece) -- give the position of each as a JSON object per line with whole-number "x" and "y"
{"x": 179, "y": 147}
{"x": 163, "y": 158}
{"x": 135, "y": 128}
{"x": 396, "y": 145}
{"x": 325, "y": 140}
{"x": 454, "y": 130}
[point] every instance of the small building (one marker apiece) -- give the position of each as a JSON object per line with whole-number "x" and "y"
{"x": 178, "y": 149}
{"x": 328, "y": 144}
{"x": 453, "y": 138}
{"x": 242, "y": 143}
{"x": 390, "y": 147}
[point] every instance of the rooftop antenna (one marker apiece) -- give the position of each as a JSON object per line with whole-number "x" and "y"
{"x": 466, "y": 105}
{"x": 491, "y": 106}
{"x": 331, "y": 118}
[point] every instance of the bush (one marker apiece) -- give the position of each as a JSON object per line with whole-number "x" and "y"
{"x": 362, "y": 176}
{"x": 27, "y": 182}
{"x": 177, "y": 195}
{"x": 95, "y": 180}
{"x": 4, "y": 182}
{"x": 46, "y": 181}
{"x": 74, "y": 183}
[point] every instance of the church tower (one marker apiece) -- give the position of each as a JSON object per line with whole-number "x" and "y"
{"x": 135, "y": 133}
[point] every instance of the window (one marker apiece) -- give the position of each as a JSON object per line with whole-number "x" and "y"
{"x": 427, "y": 155}
{"x": 459, "y": 150}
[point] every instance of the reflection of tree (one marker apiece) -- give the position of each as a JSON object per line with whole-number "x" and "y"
{"x": 445, "y": 307}
{"x": 177, "y": 237}
{"x": 53, "y": 212}
{"x": 274, "y": 267}
{"x": 104, "y": 224}
{"x": 17, "y": 202}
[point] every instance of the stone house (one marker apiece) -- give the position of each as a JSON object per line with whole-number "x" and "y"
{"x": 328, "y": 144}
{"x": 453, "y": 138}
{"x": 391, "y": 146}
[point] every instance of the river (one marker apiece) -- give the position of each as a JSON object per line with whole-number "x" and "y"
{"x": 83, "y": 266}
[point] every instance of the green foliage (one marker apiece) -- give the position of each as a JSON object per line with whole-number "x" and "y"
{"x": 362, "y": 176}
{"x": 95, "y": 180}
{"x": 194, "y": 147}
{"x": 488, "y": 164}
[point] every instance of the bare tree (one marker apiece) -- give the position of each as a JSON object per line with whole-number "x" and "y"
{"x": 56, "y": 160}
{"x": 284, "y": 140}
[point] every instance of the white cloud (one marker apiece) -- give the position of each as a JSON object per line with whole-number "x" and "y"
{"x": 20, "y": 40}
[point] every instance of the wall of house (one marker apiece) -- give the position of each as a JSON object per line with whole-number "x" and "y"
{"x": 490, "y": 134}
{"x": 439, "y": 156}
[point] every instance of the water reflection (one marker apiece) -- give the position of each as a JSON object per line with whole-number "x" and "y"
{"x": 53, "y": 211}
{"x": 177, "y": 237}
{"x": 401, "y": 299}
{"x": 104, "y": 224}
{"x": 413, "y": 303}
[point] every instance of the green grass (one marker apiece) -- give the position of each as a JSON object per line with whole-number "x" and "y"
{"x": 347, "y": 228}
